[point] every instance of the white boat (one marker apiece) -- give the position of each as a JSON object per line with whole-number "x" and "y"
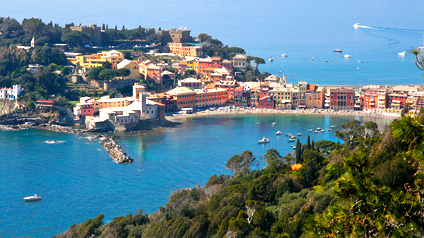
{"x": 356, "y": 25}
{"x": 284, "y": 55}
{"x": 264, "y": 140}
{"x": 289, "y": 135}
{"x": 402, "y": 54}
{"x": 338, "y": 50}
{"x": 34, "y": 198}
{"x": 312, "y": 58}
{"x": 330, "y": 129}
{"x": 292, "y": 140}
{"x": 360, "y": 61}
{"x": 257, "y": 123}
{"x": 347, "y": 56}
{"x": 278, "y": 133}
{"x": 316, "y": 132}
{"x": 271, "y": 59}
{"x": 299, "y": 134}
{"x": 332, "y": 126}
{"x": 51, "y": 141}
{"x": 291, "y": 145}
{"x": 274, "y": 123}
{"x": 318, "y": 128}
{"x": 293, "y": 137}
{"x": 358, "y": 68}
{"x": 310, "y": 130}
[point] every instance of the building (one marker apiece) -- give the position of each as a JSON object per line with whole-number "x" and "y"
{"x": 229, "y": 85}
{"x": 283, "y": 97}
{"x": 132, "y": 66}
{"x": 242, "y": 97}
{"x": 240, "y": 63}
{"x": 168, "y": 74}
{"x": 185, "y": 49}
{"x": 191, "y": 83}
{"x": 314, "y": 96}
{"x": 11, "y": 93}
{"x": 93, "y": 31}
{"x": 96, "y": 60}
{"x": 184, "y": 97}
{"x": 369, "y": 99}
{"x": 342, "y": 98}
{"x": 211, "y": 97}
{"x": 174, "y": 35}
{"x": 81, "y": 110}
{"x": 45, "y": 103}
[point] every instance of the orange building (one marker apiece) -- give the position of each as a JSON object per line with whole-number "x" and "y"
{"x": 184, "y": 97}
{"x": 185, "y": 49}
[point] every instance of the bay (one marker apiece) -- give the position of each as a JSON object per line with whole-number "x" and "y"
{"x": 78, "y": 180}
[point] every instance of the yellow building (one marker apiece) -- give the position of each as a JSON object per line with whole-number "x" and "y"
{"x": 97, "y": 60}
{"x": 132, "y": 66}
{"x": 193, "y": 64}
{"x": 283, "y": 97}
{"x": 184, "y": 49}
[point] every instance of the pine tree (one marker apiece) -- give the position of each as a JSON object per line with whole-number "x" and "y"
{"x": 298, "y": 151}
{"x": 308, "y": 142}
{"x": 103, "y": 27}
{"x": 313, "y": 145}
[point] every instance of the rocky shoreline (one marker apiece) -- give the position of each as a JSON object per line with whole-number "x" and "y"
{"x": 115, "y": 150}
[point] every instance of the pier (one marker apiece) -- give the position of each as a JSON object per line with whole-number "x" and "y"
{"x": 115, "y": 150}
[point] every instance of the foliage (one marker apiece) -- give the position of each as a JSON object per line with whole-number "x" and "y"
{"x": 213, "y": 47}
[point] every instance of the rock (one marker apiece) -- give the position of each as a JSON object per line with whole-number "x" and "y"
{"x": 115, "y": 150}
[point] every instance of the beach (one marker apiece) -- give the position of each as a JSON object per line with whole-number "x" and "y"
{"x": 244, "y": 111}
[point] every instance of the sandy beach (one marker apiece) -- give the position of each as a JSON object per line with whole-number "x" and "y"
{"x": 227, "y": 111}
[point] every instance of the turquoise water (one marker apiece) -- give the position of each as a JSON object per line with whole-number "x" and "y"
{"x": 301, "y": 29}
{"x": 77, "y": 179}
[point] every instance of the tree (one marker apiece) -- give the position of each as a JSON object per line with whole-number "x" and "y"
{"x": 419, "y": 58}
{"x": 93, "y": 73}
{"x": 108, "y": 74}
{"x": 75, "y": 38}
{"x": 409, "y": 129}
{"x": 241, "y": 164}
{"x": 298, "y": 152}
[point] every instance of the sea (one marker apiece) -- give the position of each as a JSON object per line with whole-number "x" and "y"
{"x": 270, "y": 28}
{"x": 77, "y": 179}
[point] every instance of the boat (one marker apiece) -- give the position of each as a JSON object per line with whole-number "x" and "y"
{"x": 274, "y": 123}
{"x": 271, "y": 59}
{"x": 347, "y": 56}
{"x": 330, "y": 129}
{"x": 312, "y": 58}
{"x": 326, "y": 60}
{"x": 299, "y": 134}
{"x": 331, "y": 59}
{"x": 291, "y": 145}
{"x": 360, "y": 61}
{"x": 284, "y": 55}
{"x": 257, "y": 123}
{"x": 278, "y": 133}
{"x": 338, "y": 50}
{"x": 292, "y": 140}
{"x": 264, "y": 140}
{"x": 294, "y": 147}
{"x": 318, "y": 128}
{"x": 358, "y": 68}
{"x": 332, "y": 126}
{"x": 310, "y": 130}
{"x": 402, "y": 54}
{"x": 289, "y": 135}
{"x": 51, "y": 141}
{"x": 316, "y": 132}
{"x": 293, "y": 137}
{"x": 34, "y": 198}
{"x": 356, "y": 25}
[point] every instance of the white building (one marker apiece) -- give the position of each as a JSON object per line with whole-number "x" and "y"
{"x": 11, "y": 93}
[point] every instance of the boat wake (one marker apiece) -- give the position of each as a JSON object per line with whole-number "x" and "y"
{"x": 390, "y": 29}
{"x": 55, "y": 141}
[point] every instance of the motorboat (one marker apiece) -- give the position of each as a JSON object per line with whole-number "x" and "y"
{"x": 51, "y": 141}
{"x": 278, "y": 133}
{"x": 330, "y": 129}
{"x": 316, "y": 132}
{"x": 332, "y": 126}
{"x": 356, "y": 25}
{"x": 310, "y": 130}
{"x": 284, "y": 55}
{"x": 360, "y": 61}
{"x": 312, "y": 58}
{"x": 291, "y": 145}
{"x": 271, "y": 59}
{"x": 264, "y": 140}
{"x": 338, "y": 50}
{"x": 402, "y": 54}
{"x": 347, "y": 56}
{"x": 34, "y": 198}
{"x": 331, "y": 59}
{"x": 318, "y": 128}
{"x": 257, "y": 123}
{"x": 274, "y": 123}
{"x": 292, "y": 140}
{"x": 289, "y": 135}
{"x": 326, "y": 60}
{"x": 293, "y": 137}
{"x": 358, "y": 68}
{"x": 299, "y": 134}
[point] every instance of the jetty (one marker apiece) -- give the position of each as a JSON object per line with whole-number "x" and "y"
{"x": 115, "y": 150}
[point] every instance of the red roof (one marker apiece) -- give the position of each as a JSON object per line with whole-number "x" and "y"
{"x": 48, "y": 101}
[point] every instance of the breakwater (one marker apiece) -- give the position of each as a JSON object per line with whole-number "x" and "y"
{"x": 115, "y": 150}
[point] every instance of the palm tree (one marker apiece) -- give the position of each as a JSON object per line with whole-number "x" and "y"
{"x": 419, "y": 60}
{"x": 409, "y": 129}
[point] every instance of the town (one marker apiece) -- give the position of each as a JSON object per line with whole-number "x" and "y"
{"x": 182, "y": 74}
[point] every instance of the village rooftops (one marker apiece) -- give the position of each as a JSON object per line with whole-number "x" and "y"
{"x": 124, "y": 63}
{"x": 180, "y": 90}
{"x": 240, "y": 56}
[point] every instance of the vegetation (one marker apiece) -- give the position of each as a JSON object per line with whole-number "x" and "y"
{"x": 214, "y": 47}
{"x": 371, "y": 188}
{"x": 419, "y": 57}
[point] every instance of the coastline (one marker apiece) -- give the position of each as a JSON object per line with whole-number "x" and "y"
{"x": 223, "y": 112}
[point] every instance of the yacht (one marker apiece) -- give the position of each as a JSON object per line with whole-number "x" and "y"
{"x": 318, "y": 128}
{"x": 315, "y": 132}
{"x": 278, "y": 133}
{"x": 347, "y": 56}
{"x": 289, "y": 135}
{"x": 264, "y": 140}
{"x": 292, "y": 140}
{"x": 332, "y": 126}
{"x": 326, "y": 60}
{"x": 310, "y": 130}
{"x": 51, "y": 141}
{"x": 284, "y": 55}
{"x": 274, "y": 123}
{"x": 356, "y": 25}
{"x": 271, "y": 59}
{"x": 402, "y": 54}
{"x": 312, "y": 58}
{"x": 338, "y": 50}
{"x": 257, "y": 123}
{"x": 299, "y": 134}
{"x": 34, "y": 198}
{"x": 330, "y": 129}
